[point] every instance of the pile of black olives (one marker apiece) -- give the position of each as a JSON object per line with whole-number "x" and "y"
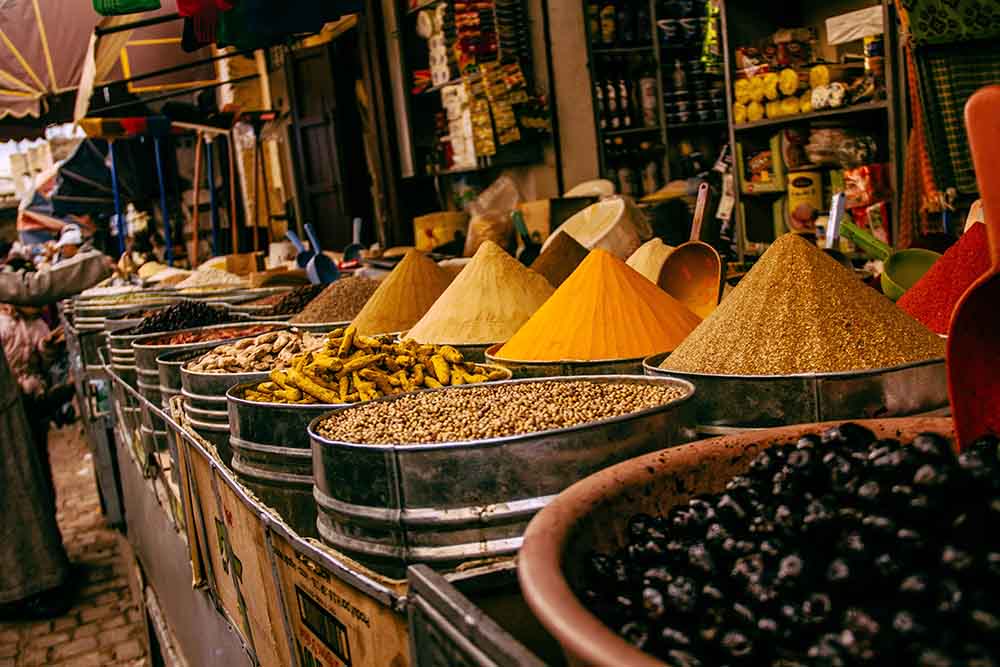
{"x": 184, "y": 314}
{"x": 838, "y": 550}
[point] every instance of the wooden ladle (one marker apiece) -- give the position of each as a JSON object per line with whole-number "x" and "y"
{"x": 974, "y": 335}
{"x": 692, "y": 273}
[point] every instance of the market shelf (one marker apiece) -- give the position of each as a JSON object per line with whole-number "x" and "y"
{"x": 423, "y": 5}
{"x": 434, "y": 89}
{"x": 813, "y": 115}
{"x": 631, "y": 130}
{"x": 600, "y": 51}
{"x": 697, "y": 125}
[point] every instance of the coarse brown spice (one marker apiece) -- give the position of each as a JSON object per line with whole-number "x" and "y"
{"x": 799, "y": 311}
{"x": 340, "y": 302}
{"x": 458, "y": 415}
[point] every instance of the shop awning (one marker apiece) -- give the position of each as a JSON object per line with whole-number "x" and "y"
{"x": 41, "y": 52}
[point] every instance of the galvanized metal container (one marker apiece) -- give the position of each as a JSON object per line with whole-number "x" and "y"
{"x": 169, "y": 367}
{"x": 731, "y": 403}
{"x": 272, "y": 455}
{"x": 206, "y": 406}
{"x": 441, "y": 504}
{"x": 540, "y": 369}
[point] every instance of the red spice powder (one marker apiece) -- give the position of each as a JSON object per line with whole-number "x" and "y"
{"x": 933, "y": 298}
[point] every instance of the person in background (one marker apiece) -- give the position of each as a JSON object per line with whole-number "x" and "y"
{"x": 69, "y": 243}
{"x": 34, "y": 577}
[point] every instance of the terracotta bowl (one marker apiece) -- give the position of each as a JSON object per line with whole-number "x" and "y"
{"x": 593, "y": 513}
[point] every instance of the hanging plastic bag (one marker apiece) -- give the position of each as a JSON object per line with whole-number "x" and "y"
{"x": 118, "y": 7}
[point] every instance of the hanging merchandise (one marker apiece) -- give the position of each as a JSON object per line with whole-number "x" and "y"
{"x": 119, "y": 7}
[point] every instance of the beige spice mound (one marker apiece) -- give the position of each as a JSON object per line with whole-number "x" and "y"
{"x": 487, "y": 303}
{"x": 403, "y": 297}
{"x": 799, "y": 311}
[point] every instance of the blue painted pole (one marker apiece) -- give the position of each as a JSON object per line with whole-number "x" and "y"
{"x": 122, "y": 227}
{"x": 163, "y": 202}
{"x": 211, "y": 198}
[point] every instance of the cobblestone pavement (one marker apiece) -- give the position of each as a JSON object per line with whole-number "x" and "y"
{"x": 104, "y": 626}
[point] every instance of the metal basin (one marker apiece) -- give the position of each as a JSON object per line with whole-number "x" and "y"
{"x": 272, "y": 455}
{"x": 731, "y": 403}
{"x": 593, "y": 515}
{"x": 169, "y": 367}
{"x": 389, "y": 506}
{"x": 540, "y": 369}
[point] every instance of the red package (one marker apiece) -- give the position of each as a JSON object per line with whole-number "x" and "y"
{"x": 865, "y": 185}
{"x": 875, "y": 218}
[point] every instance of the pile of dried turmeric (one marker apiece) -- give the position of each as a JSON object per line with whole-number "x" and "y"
{"x": 351, "y": 368}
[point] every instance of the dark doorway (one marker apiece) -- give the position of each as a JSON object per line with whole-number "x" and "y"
{"x": 334, "y": 183}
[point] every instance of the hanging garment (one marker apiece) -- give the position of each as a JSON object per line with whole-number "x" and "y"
{"x": 116, "y": 7}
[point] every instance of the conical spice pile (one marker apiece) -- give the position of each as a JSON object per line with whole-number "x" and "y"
{"x": 403, "y": 297}
{"x": 800, "y": 311}
{"x": 605, "y": 310}
{"x": 487, "y": 303}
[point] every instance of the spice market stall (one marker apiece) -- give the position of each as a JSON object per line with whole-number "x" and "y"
{"x": 347, "y": 482}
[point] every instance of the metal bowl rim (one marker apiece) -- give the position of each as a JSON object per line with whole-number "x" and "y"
{"x": 493, "y": 358}
{"x": 507, "y": 439}
{"x": 136, "y": 345}
{"x": 838, "y": 375}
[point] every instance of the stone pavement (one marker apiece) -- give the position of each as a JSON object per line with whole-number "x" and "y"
{"x": 105, "y": 626}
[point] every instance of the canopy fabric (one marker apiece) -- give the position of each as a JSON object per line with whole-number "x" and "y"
{"x": 41, "y": 47}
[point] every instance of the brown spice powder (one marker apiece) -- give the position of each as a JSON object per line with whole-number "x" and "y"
{"x": 559, "y": 259}
{"x": 799, "y": 311}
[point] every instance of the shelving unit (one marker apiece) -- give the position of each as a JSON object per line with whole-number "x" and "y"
{"x": 666, "y": 43}
{"x": 420, "y": 110}
{"x": 745, "y": 22}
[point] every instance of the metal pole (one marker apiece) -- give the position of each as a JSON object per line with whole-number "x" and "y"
{"x": 193, "y": 255}
{"x": 234, "y": 230}
{"x": 163, "y": 202}
{"x": 210, "y": 173}
{"x": 120, "y": 219}
{"x": 156, "y": 20}
{"x": 166, "y": 96}
{"x": 267, "y": 195}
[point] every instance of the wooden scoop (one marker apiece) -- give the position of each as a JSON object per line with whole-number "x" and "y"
{"x": 974, "y": 335}
{"x": 692, "y": 273}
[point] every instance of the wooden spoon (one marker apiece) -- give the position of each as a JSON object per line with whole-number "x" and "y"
{"x": 692, "y": 273}
{"x": 974, "y": 335}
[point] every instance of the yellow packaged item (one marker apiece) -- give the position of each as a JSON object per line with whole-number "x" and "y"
{"x": 771, "y": 86}
{"x": 739, "y": 113}
{"x": 773, "y": 110}
{"x": 806, "y": 101}
{"x": 757, "y": 88}
{"x": 788, "y": 82}
{"x": 789, "y": 106}
{"x": 741, "y": 90}
{"x": 755, "y": 111}
{"x": 819, "y": 76}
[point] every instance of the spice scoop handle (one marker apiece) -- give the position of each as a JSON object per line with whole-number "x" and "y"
{"x": 871, "y": 245}
{"x": 313, "y": 239}
{"x": 699, "y": 212}
{"x": 296, "y": 241}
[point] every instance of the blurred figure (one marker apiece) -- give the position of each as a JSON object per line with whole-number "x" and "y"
{"x": 34, "y": 568}
{"x": 69, "y": 242}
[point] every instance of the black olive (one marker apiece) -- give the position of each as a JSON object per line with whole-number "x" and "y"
{"x": 861, "y": 623}
{"x": 635, "y": 633}
{"x": 702, "y": 511}
{"x": 870, "y": 492}
{"x": 993, "y": 563}
{"x": 838, "y": 572}
{"x": 716, "y": 535}
{"x": 683, "y": 659}
{"x": 930, "y": 477}
{"x": 736, "y": 645}
{"x": 767, "y": 626}
{"x": 816, "y": 608}
{"x": 956, "y": 559}
{"x": 653, "y": 603}
{"x": 711, "y": 593}
{"x": 915, "y": 584}
{"x": 909, "y": 540}
{"x": 599, "y": 569}
{"x": 729, "y": 507}
{"x": 674, "y": 637}
{"x": 744, "y": 615}
{"x": 790, "y": 570}
{"x": 826, "y": 653}
{"x": 700, "y": 558}
{"x": 682, "y": 594}
{"x": 639, "y": 526}
{"x": 949, "y": 596}
{"x": 855, "y": 435}
{"x": 809, "y": 441}
{"x": 887, "y": 566}
{"x": 658, "y": 576}
{"x": 985, "y": 621}
{"x": 934, "y": 658}
{"x": 932, "y": 446}
{"x": 852, "y": 543}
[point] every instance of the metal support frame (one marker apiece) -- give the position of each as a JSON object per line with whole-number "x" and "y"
{"x": 122, "y": 227}
{"x": 213, "y": 209}
{"x": 167, "y": 237}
